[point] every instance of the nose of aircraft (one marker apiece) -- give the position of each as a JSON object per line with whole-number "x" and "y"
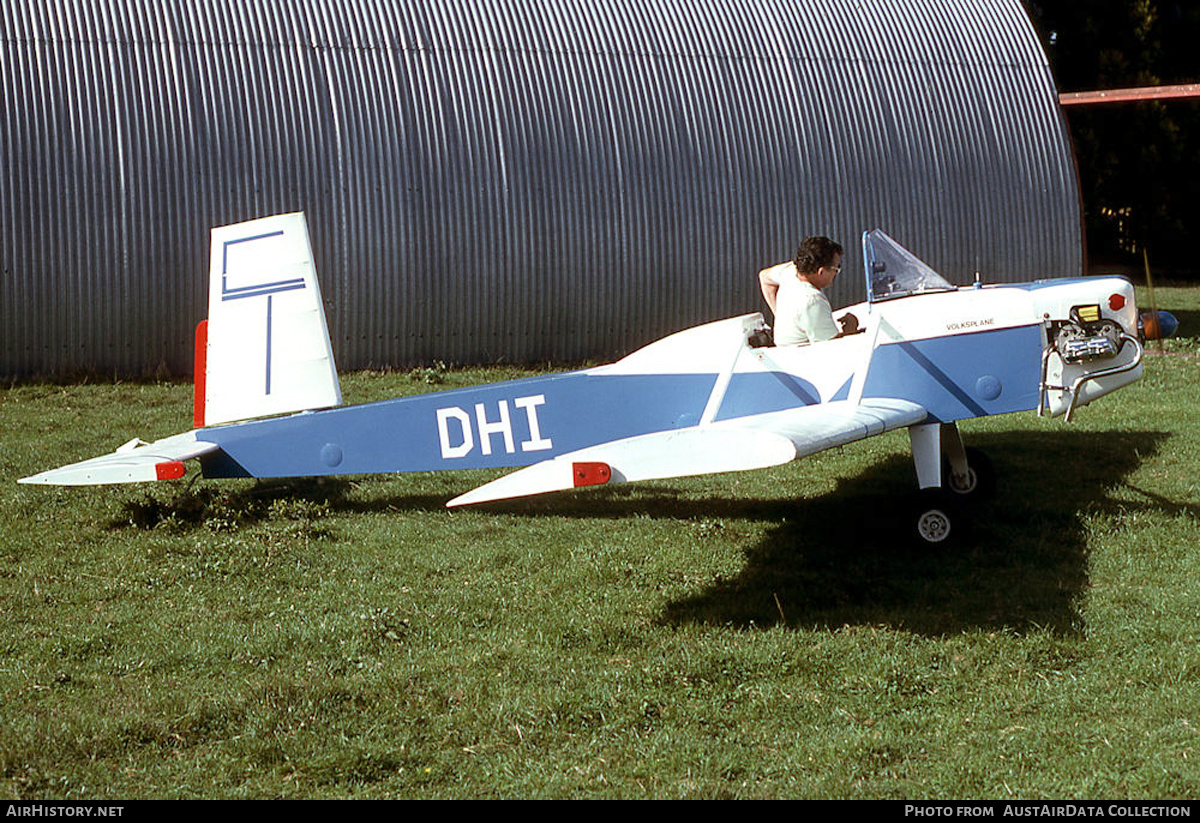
{"x": 1157, "y": 325}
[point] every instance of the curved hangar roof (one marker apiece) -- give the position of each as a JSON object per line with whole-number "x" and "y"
{"x": 517, "y": 179}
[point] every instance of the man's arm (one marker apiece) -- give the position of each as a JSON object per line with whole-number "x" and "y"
{"x": 769, "y": 289}
{"x": 768, "y": 281}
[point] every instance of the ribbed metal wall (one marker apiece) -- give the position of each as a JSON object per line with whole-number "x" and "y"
{"x": 516, "y": 179}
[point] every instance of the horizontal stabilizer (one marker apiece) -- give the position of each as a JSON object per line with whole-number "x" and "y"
{"x": 135, "y": 462}
{"x": 676, "y": 453}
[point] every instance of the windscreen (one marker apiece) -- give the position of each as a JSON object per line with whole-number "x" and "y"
{"x": 893, "y": 271}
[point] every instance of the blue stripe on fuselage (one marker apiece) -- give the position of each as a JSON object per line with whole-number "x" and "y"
{"x": 761, "y": 392}
{"x": 519, "y": 422}
{"x": 962, "y": 375}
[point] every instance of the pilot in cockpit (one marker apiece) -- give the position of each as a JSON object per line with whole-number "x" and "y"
{"x": 793, "y": 291}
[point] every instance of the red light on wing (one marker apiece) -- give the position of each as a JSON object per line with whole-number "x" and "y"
{"x": 171, "y": 470}
{"x": 590, "y": 474}
{"x": 1116, "y": 302}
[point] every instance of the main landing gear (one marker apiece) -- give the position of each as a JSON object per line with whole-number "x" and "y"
{"x": 951, "y": 478}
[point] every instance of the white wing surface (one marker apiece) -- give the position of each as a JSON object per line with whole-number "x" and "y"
{"x": 813, "y": 429}
{"x": 754, "y": 442}
{"x": 135, "y": 462}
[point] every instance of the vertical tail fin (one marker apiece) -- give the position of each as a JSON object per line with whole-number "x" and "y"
{"x": 267, "y": 349}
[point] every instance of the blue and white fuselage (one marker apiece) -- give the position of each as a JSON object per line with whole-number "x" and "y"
{"x": 713, "y": 398}
{"x": 956, "y": 355}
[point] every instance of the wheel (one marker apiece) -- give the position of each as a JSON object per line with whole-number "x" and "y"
{"x": 980, "y": 481}
{"x": 937, "y": 519}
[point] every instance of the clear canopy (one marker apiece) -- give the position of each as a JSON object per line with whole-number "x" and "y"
{"x": 893, "y": 271}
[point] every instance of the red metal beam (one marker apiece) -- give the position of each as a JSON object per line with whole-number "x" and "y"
{"x": 1085, "y": 98}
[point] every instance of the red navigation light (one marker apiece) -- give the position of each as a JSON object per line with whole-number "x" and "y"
{"x": 1116, "y": 302}
{"x": 171, "y": 470}
{"x": 591, "y": 474}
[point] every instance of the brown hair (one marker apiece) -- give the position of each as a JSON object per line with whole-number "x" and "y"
{"x": 815, "y": 252}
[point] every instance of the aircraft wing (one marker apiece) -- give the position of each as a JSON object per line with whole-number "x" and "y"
{"x": 134, "y": 462}
{"x": 753, "y": 442}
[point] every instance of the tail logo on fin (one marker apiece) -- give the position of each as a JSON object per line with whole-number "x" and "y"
{"x": 263, "y": 249}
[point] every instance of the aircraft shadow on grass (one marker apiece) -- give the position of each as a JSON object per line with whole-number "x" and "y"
{"x": 844, "y": 558}
{"x": 841, "y": 558}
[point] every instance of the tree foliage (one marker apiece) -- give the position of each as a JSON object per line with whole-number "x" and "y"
{"x": 1139, "y": 163}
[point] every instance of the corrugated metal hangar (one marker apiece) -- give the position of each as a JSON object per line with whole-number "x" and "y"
{"x": 506, "y": 179}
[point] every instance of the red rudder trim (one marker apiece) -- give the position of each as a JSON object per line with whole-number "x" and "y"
{"x": 201, "y": 373}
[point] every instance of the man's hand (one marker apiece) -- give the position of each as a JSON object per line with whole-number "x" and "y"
{"x": 849, "y": 324}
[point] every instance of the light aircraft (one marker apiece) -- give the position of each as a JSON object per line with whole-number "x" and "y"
{"x": 714, "y": 398}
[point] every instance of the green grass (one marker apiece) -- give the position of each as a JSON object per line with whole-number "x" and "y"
{"x": 751, "y": 635}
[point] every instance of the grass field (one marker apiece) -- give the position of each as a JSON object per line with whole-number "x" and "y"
{"x": 752, "y": 635}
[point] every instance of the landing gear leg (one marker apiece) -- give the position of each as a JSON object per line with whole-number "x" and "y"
{"x": 966, "y": 472}
{"x": 927, "y": 454}
{"x": 948, "y": 475}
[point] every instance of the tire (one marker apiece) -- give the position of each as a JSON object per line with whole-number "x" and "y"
{"x": 937, "y": 520}
{"x": 981, "y": 477}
